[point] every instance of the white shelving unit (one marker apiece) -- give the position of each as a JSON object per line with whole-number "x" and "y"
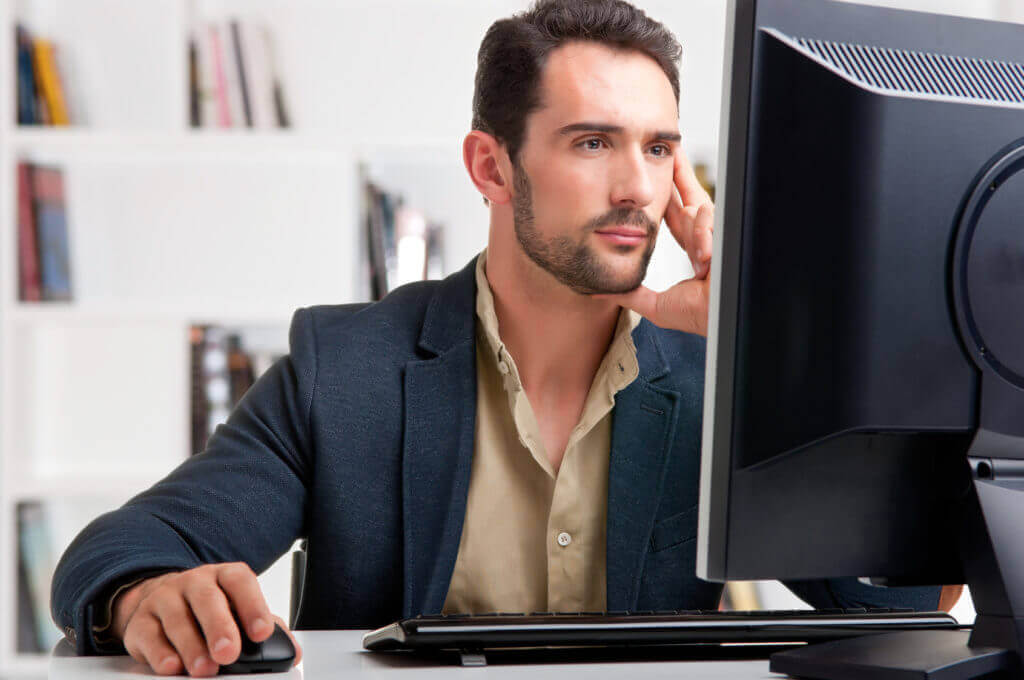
{"x": 170, "y": 226}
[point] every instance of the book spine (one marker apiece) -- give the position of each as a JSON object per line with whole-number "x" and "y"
{"x": 240, "y": 370}
{"x": 375, "y": 243}
{"x": 200, "y": 410}
{"x": 280, "y": 111}
{"x": 232, "y": 88}
{"x": 28, "y": 250}
{"x": 261, "y": 93}
{"x": 194, "y": 113}
{"x": 49, "y": 81}
{"x": 51, "y": 233}
{"x": 27, "y": 102}
{"x": 36, "y": 552}
{"x": 208, "y": 113}
{"x": 243, "y": 85}
{"x": 219, "y": 80}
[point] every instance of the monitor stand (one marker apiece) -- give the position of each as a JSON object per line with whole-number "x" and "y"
{"x": 992, "y": 550}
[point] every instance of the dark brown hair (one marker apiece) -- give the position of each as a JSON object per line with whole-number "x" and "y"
{"x": 514, "y": 50}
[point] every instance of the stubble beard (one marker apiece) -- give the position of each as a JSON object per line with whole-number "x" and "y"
{"x": 572, "y": 263}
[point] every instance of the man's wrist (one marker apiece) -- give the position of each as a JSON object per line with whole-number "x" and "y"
{"x": 124, "y": 603}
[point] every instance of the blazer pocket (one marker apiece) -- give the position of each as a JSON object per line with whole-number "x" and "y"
{"x": 674, "y": 530}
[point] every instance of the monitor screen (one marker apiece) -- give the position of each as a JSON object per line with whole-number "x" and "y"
{"x": 841, "y": 395}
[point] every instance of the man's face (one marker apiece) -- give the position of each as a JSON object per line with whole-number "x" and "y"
{"x": 594, "y": 176}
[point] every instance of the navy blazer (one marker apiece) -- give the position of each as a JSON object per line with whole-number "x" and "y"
{"x": 361, "y": 441}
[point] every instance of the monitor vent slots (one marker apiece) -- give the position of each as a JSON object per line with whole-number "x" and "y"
{"x": 905, "y": 71}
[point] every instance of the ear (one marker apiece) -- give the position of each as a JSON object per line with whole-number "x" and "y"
{"x": 484, "y": 158}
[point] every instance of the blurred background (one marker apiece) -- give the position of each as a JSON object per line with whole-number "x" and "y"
{"x": 178, "y": 176}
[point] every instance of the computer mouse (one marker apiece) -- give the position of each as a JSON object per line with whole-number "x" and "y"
{"x": 276, "y": 654}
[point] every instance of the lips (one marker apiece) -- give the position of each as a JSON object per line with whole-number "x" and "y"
{"x": 631, "y": 232}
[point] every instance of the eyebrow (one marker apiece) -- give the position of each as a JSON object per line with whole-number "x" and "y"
{"x": 661, "y": 135}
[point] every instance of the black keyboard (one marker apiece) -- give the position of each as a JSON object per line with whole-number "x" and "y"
{"x": 471, "y": 634}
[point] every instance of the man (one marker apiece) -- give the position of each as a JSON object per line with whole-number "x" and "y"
{"x": 516, "y": 437}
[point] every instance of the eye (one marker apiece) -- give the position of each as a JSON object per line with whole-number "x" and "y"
{"x": 666, "y": 151}
{"x": 586, "y": 142}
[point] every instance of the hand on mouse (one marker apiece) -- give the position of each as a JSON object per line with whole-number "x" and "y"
{"x": 182, "y": 621}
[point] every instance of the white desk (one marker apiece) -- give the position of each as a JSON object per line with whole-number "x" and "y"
{"x": 340, "y": 654}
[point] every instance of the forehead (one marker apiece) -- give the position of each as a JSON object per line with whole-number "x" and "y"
{"x": 590, "y": 81}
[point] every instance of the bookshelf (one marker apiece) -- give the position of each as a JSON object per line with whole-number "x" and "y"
{"x": 170, "y": 226}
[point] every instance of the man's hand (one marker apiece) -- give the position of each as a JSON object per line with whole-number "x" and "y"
{"x": 182, "y": 621}
{"x": 690, "y": 218}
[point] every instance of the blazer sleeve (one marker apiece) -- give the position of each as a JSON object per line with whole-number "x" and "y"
{"x": 849, "y": 593}
{"x": 243, "y": 499}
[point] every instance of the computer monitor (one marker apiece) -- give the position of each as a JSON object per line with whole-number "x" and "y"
{"x": 864, "y": 402}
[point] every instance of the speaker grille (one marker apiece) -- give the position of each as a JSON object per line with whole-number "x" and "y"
{"x": 903, "y": 71}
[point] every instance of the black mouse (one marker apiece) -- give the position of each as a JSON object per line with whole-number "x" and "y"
{"x": 276, "y": 654}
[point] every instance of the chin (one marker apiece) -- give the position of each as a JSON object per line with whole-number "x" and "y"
{"x": 616, "y": 281}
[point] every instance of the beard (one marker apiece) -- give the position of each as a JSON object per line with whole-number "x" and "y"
{"x": 574, "y": 263}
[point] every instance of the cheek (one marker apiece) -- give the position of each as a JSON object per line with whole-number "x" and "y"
{"x": 568, "y": 189}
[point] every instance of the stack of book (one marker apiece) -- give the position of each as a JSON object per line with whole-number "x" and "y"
{"x": 43, "y": 260}
{"x": 233, "y": 77}
{"x": 41, "y": 99}
{"x": 403, "y": 245}
{"x": 222, "y": 371}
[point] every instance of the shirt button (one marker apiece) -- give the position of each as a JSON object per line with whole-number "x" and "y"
{"x": 503, "y": 367}
{"x": 564, "y": 539}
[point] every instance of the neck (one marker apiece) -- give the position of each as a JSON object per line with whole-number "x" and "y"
{"x": 556, "y": 336}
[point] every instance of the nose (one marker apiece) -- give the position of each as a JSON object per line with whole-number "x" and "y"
{"x": 632, "y": 185}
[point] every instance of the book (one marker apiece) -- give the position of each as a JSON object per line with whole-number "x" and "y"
{"x": 220, "y": 83}
{"x": 206, "y": 87}
{"x": 375, "y": 243}
{"x": 28, "y": 113}
{"x": 29, "y": 284}
{"x": 36, "y": 554}
{"x": 27, "y": 642}
{"x": 280, "y": 110}
{"x": 49, "y": 82}
{"x": 240, "y": 369}
{"x": 199, "y": 409}
{"x": 51, "y": 232}
{"x": 233, "y": 87}
{"x": 240, "y": 66}
{"x": 193, "y": 83}
{"x": 258, "y": 74}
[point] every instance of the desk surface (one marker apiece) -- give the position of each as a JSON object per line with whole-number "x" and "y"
{"x": 329, "y": 654}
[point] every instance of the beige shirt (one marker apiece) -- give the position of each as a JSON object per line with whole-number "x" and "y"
{"x": 534, "y": 540}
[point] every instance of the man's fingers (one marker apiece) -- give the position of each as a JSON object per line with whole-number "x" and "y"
{"x": 690, "y": 189}
{"x": 684, "y": 214}
{"x": 180, "y": 628}
{"x": 295, "y": 643}
{"x": 213, "y": 612}
{"x": 683, "y": 307}
{"x": 643, "y": 301}
{"x": 145, "y": 641}
{"x": 703, "y": 227}
{"x": 242, "y": 588}
{"x": 679, "y": 219}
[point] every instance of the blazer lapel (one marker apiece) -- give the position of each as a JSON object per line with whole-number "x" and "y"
{"x": 643, "y": 426}
{"x": 440, "y": 418}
